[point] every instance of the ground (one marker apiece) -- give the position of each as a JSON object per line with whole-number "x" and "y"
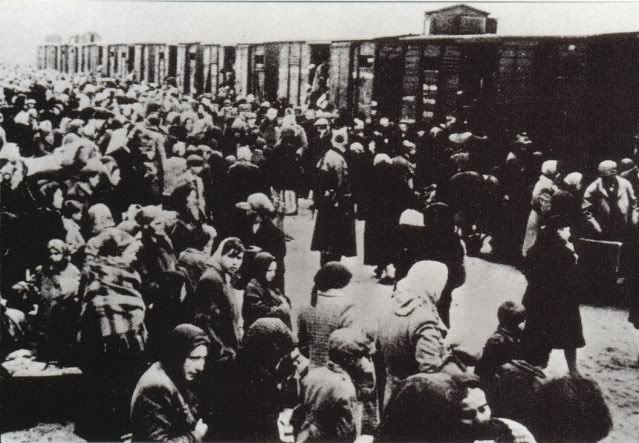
{"x": 609, "y": 356}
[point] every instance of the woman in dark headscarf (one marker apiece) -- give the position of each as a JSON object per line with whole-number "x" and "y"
{"x": 261, "y": 298}
{"x": 267, "y": 344}
{"x": 165, "y": 404}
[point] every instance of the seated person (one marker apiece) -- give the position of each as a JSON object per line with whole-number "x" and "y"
{"x": 165, "y": 404}
{"x": 505, "y": 343}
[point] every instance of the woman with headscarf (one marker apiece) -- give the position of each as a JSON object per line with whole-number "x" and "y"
{"x": 58, "y": 281}
{"x": 331, "y": 308}
{"x": 566, "y": 202}
{"x": 99, "y": 219}
{"x": 263, "y": 366}
{"x": 261, "y": 297}
{"x": 553, "y": 320}
{"x": 541, "y": 204}
{"x": 411, "y": 335}
{"x": 165, "y": 405}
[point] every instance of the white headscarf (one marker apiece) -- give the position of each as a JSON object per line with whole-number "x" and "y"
{"x": 423, "y": 284}
{"x": 549, "y": 168}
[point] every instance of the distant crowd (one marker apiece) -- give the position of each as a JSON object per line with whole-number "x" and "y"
{"x": 143, "y": 240}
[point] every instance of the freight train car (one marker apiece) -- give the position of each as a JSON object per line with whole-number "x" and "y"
{"x": 279, "y": 70}
{"x": 189, "y": 67}
{"x": 351, "y": 76}
{"x": 217, "y": 67}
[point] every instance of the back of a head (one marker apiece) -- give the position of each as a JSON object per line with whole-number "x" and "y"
{"x": 347, "y": 344}
{"x": 422, "y": 408}
{"x": 333, "y": 275}
{"x": 571, "y": 409}
{"x": 511, "y": 314}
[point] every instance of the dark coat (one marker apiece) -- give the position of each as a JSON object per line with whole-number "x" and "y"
{"x": 213, "y": 309}
{"x": 551, "y": 298}
{"x": 389, "y": 197}
{"x": 159, "y": 411}
{"x": 335, "y": 226}
{"x": 502, "y": 347}
{"x": 271, "y": 239}
{"x": 330, "y": 406}
{"x": 260, "y": 302}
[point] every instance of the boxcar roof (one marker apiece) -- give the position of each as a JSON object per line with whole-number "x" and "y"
{"x": 498, "y": 38}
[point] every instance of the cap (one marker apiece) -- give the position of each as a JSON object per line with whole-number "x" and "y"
{"x": 258, "y": 202}
{"x": 194, "y": 160}
{"x": 321, "y": 122}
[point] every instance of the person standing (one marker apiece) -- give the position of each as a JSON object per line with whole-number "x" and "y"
{"x": 541, "y": 202}
{"x": 551, "y": 300}
{"x": 610, "y": 205}
{"x": 334, "y": 234}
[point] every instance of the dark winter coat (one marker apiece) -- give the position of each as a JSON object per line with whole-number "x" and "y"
{"x": 159, "y": 411}
{"x": 552, "y": 298}
{"x": 213, "y": 307}
{"x": 335, "y": 226}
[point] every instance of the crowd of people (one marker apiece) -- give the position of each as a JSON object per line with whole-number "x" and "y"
{"x": 143, "y": 241}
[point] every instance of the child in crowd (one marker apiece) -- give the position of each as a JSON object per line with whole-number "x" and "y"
{"x": 505, "y": 343}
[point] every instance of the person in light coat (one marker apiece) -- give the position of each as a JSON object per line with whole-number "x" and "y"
{"x": 541, "y": 205}
{"x": 610, "y": 205}
{"x": 411, "y": 336}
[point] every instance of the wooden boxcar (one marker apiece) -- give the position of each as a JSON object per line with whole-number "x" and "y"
{"x": 189, "y": 67}
{"x": 162, "y": 60}
{"x": 41, "y": 57}
{"x": 352, "y": 66}
{"x": 276, "y": 70}
{"x": 217, "y": 67}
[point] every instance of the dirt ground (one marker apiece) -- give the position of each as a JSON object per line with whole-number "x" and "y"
{"x": 609, "y": 356}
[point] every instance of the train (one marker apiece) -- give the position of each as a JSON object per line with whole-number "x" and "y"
{"x": 574, "y": 94}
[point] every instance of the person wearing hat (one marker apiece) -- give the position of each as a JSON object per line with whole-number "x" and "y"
{"x": 552, "y": 296}
{"x": 262, "y": 232}
{"x": 334, "y": 234}
{"x": 165, "y": 404}
{"x": 331, "y": 308}
{"x": 610, "y": 205}
{"x": 330, "y": 409}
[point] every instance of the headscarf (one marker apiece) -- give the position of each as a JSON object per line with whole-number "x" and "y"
{"x": 573, "y": 180}
{"x": 549, "y": 168}
{"x": 244, "y": 154}
{"x": 423, "y": 284}
{"x": 58, "y": 246}
{"x": 379, "y": 158}
{"x": 261, "y": 263}
{"x": 607, "y": 168}
{"x": 100, "y": 218}
{"x": 179, "y": 344}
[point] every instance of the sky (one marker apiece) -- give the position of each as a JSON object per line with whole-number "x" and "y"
{"x": 25, "y": 23}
